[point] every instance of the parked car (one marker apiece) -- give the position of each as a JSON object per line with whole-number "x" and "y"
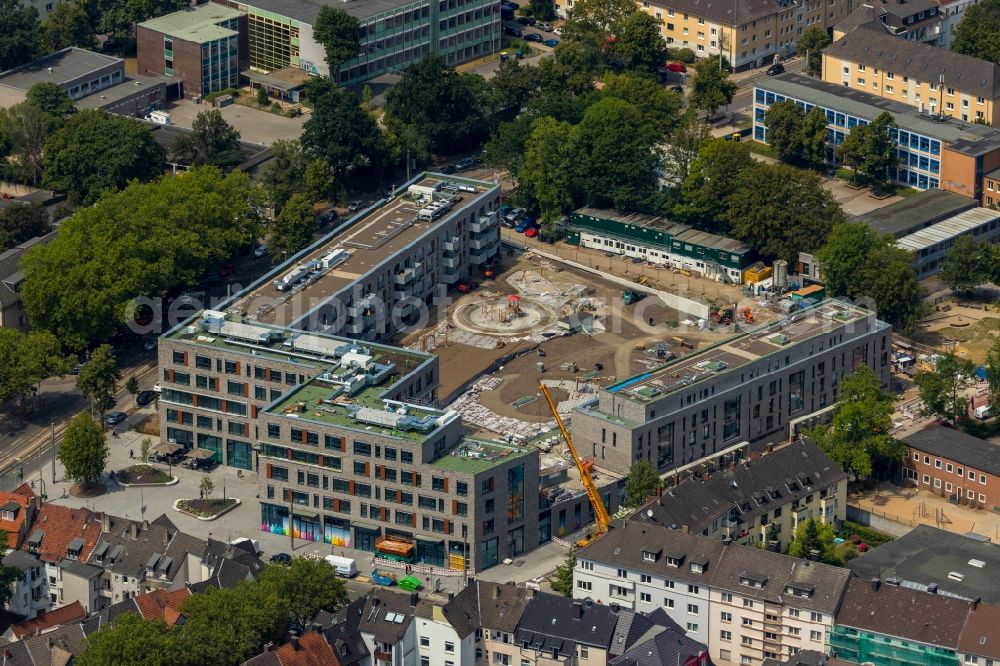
{"x": 114, "y": 418}
{"x": 514, "y": 214}
{"x": 447, "y": 169}
{"x": 544, "y": 27}
{"x": 551, "y": 42}
{"x": 354, "y": 206}
{"x": 150, "y": 344}
{"x": 157, "y": 387}
{"x": 513, "y": 31}
{"x": 281, "y": 558}
{"x": 775, "y": 69}
{"x": 260, "y": 252}
{"x": 465, "y": 163}
{"x": 526, "y": 20}
{"x": 676, "y": 67}
{"x": 677, "y": 89}
{"x": 533, "y": 37}
{"x": 145, "y": 397}
{"x": 557, "y": 32}
{"x": 531, "y": 232}
{"x": 523, "y": 226}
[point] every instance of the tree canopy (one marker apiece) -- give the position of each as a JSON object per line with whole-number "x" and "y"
{"x": 340, "y": 132}
{"x": 968, "y": 264}
{"x": 642, "y": 482}
{"x": 712, "y": 87}
{"x": 118, "y": 18}
{"x": 339, "y": 34}
{"x": 810, "y": 45}
{"x": 941, "y": 388}
{"x": 98, "y": 378}
{"x": 285, "y": 172}
{"x": 20, "y": 40}
{"x": 69, "y": 24}
{"x": 874, "y": 272}
{"x": 293, "y": 228}
{"x": 143, "y": 241}
{"x": 97, "y": 151}
{"x": 84, "y": 451}
{"x": 22, "y": 222}
{"x": 131, "y": 640}
{"x": 784, "y": 122}
{"x": 859, "y": 438}
{"x": 992, "y": 367}
{"x": 212, "y": 142}
{"x": 813, "y": 535}
{"x": 441, "y": 104}
{"x": 563, "y": 581}
{"x": 24, "y": 132}
{"x": 871, "y": 150}
{"x": 307, "y": 586}
{"x": 977, "y": 32}
{"x": 602, "y": 15}
{"x": 26, "y": 359}
{"x": 49, "y": 97}
{"x": 639, "y": 43}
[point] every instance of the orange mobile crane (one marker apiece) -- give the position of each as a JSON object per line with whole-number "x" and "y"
{"x": 602, "y": 521}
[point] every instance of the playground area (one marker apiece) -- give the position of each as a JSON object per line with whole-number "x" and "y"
{"x": 902, "y": 508}
{"x": 968, "y": 327}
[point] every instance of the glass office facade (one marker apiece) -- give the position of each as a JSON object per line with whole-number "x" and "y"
{"x": 919, "y": 156}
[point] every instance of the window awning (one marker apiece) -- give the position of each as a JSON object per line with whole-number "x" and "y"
{"x": 365, "y": 526}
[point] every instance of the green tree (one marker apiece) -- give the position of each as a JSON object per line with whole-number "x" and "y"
{"x": 712, "y": 87}
{"x": 714, "y": 175}
{"x": 546, "y": 175}
{"x": 874, "y": 271}
{"x": 642, "y": 482}
{"x": 340, "y": 132}
{"x": 206, "y": 487}
{"x": 859, "y": 438}
{"x": 686, "y": 140}
{"x": 262, "y": 97}
{"x": 813, "y": 535}
{"x": 84, "y": 451}
{"x": 118, "y": 19}
{"x": 308, "y": 586}
{"x": 226, "y": 627}
{"x": 992, "y": 367}
{"x": 339, "y": 34}
{"x": 602, "y": 15}
{"x": 318, "y": 181}
{"x": 147, "y": 240}
{"x": 780, "y": 211}
{"x": 811, "y": 45}
{"x": 26, "y": 359}
{"x": 510, "y": 88}
{"x": 131, "y": 640}
{"x": 50, "y": 97}
{"x": 97, "y": 151}
{"x": 617, "y": 157}
{"x": 506, "y": 148}
{"x": 852, "y": 151}
{"x": 976, "y": 32}
{"x": 293, "y": 229}
{"x": 285, "y": 171}
{"x": 814, "y": 137}
{"x": 69, "y": 24}
{"x": 639, "y": 43}
{"x": 98, "y": 378}
{"x": 941, "y": 388}
{"x": 21, "y": 39}
{"x": 25, "y": 130}
{"x": 543, "y": 10}
{"x": 144, "y": 448}
{"x": 660, "y": 107}
{"x": 784, "y": 122}
{"x": 968, "y": 264}
{"x": 132, "y": 386}
{"x": 870, "y": 149}
{"x": 442, "y": 105}
{"x": 22, "y": 222}
{"x": 212, "y": 142}
{"x": 563, "y": 581}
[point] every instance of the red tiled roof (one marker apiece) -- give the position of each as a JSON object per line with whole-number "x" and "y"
{"x": 60, "y": 525}
{"x": 979, "y": 636}
{"x": 54, "y": 618}
{"x": 313, "y": 650}
{"x": 153, "y": 605}
{"x": 171, "y": 615}
{"x": 23, "y": 496}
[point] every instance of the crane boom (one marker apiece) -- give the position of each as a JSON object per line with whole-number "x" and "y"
{"x": 601, "y": 518}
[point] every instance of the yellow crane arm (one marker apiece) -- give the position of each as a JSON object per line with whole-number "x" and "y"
{"x": 601, "y": 517}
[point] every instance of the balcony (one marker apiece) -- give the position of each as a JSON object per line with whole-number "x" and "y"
{"x": 450, "y": 262}
{"x": 405, "y": 276}
{"x": 450, "y": 278}
{"x": 383, "y": 656}
{"x": 453, "y": 244}
{"x": 483, "y": 224}
{"x": 482, "y": 243}
{"x": 362, "y": 308}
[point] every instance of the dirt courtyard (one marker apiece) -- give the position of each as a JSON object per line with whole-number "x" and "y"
{"x": 910, "y": 507}
{"x": 618, "y": 340}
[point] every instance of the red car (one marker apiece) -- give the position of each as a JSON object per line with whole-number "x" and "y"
{"x": 676, "y": 67}
{"x": 531, "y": 232}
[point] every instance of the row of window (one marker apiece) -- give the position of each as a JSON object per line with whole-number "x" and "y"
{"x": 948, "y": 467}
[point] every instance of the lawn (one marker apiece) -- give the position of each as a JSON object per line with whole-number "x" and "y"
{"x": 206, "y": 508}
{"x": 143, "y": 474}
{"x": 761, "y": 148}
{"x": 858, "y": 539}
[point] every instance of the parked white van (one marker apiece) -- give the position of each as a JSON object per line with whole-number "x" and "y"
{"x": 344, "y": 566}
{"x": 159, "y": 117}
{"x": 983, "y": 412}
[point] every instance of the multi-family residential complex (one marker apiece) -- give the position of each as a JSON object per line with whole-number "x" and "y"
{"x": 748, "y": 34}
{"x": 394, "y": 34}
{"x": 916, "y": 20}
{"x": 205, "y": 46}
{"x": 744, "y": 389}
{"x": 934, "y": 79}
{"x": 745, "y": 603}
{"x": 659, "y": 241}
{"x": 761, "y": 501}
{"x": 934, "y": 151}
{"x": 377, "y": 272}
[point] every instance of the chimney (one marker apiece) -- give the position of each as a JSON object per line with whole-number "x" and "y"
{"x": 578, "y": 609}
{"x": 975, "y": 603}
{"x": 294, "y": 643}
{"x": 685, "y": 529}
{"x": 451, "y": 595}
{"x": 414, "y": 598}
{"x": 270, "y": 646}
{"x": 727, "y": 541}
{"x": 932, "y": 588}
{"x": 134, "y": 529}
{"x": 106, "y": 522}
{"x": 770, "y": 447}
{"x": 876, "y": 583}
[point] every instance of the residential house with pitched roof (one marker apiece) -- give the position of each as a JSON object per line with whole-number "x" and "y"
{"x": 59, "y": 535}
{"x": 445, "y": 634}
{"x": 658, "y": 641}
{"x": 763, "y": 499}
{"x": 55, "y": 648}
{"x": 387, "y": 627}
{"x": 495, "y": 609}
{"x": 979, "y": 642}
{"x": 26, "y": 597}
{"x": 342, "y": 632}
{"x": 309, "y": 649}
{"x": 17, "y": 509}
{"x": 556, "y": 630}
{"x": 70, "y": 613}
{"x": 885, "y": 623}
